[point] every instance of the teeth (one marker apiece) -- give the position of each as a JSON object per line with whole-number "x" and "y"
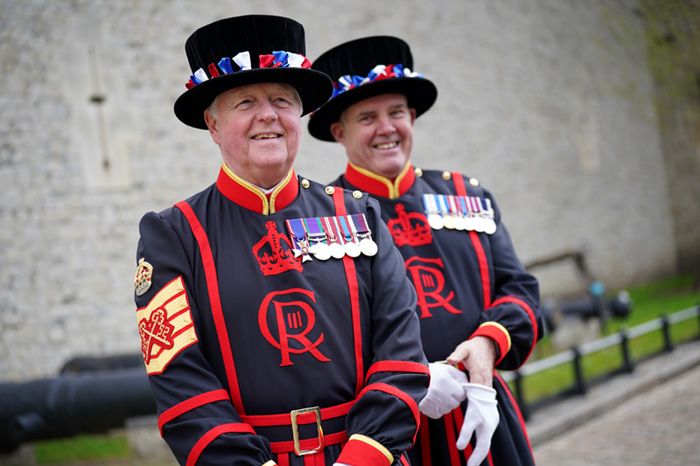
{"x": 387, "y": 145}
{"x": 265, "y": 136}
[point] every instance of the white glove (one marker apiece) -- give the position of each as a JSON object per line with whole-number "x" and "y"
{"x": 445, "y": 392}
{"x": 481, "y": 418}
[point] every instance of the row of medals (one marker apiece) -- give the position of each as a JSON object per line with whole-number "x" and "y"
{"x": 459, "y": 213}
{"x": 327, "y": 245}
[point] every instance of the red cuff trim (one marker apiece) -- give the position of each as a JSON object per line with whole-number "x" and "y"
{"x": 401, "y": 395}
{"x": 397, "y": 366}
{"x": 359, "y": 452}
{"x": 190, "y": 404}
{"x": 498, "y": 334}
{"x": 211, "y": 435}
{"x": 530, "y": 314}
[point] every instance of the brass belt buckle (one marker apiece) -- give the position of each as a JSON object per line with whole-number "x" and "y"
{"x": 295, "y": 430}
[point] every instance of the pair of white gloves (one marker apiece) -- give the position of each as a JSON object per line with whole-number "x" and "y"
{"x": 448, "y": 388}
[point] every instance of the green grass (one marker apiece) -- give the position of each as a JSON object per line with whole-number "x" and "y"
{"x": 82, "y": 448}
{"x": 650, "y": 301}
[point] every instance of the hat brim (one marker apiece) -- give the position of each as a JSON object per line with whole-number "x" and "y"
{"x": 421, "y": 94}
{"x": 314, "y": 89}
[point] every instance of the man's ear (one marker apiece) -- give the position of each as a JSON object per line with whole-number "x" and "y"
{"x": 413, "y": 115}
{"x": 210, "y": 120}
{"x": 338, "y": 132}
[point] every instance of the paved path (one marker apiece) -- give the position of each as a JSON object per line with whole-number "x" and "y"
{"x": 651, "y": 417}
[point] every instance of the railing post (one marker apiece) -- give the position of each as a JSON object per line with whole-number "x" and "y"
{"x": 578, "y": 372}
{"x": 520, "y": 395}
{"x": 666, "y": 332}
{"x": 627, "y": 362}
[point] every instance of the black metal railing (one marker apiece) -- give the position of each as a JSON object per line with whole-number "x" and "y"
{"x": 576, "y": 355}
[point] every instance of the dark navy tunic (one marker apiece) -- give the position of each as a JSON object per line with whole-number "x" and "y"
{"x": 468, "y": 284}
{"x": 237, "y": 332}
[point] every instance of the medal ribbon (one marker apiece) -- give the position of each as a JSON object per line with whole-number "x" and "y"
{"x": 296, "y": 227}
{"x": 360, "y": 223}
{"x": 315, "y": 230}
{"x": 347, "y": 234}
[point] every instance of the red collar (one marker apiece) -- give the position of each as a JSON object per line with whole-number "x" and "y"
{"x": 379, "y": 186}
{"x": 252, "y": 197}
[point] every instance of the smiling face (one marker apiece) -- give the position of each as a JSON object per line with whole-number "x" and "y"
{"x": 377, "y": 134}
{"x": 257, "y": 128}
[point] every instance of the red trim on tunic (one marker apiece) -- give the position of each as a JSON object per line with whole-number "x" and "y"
{"x": 190, "y": 404}
{"x": 378, "y": 185}
{"x": 317, "y": 459}
{"x": 306, "y": 444}
{"x": 495, "y": 334}
{"x": 359, "y": 452}
{"x": 404, "y": 460}
{"x": 530, "y": 314}
{"x": 397, "y": 366}
{"x": 516, "y": 407}
{"x": 483, "y": 267}
{"x": 449, "y": 422}
{"x": 283, "y": 459}
{"x": 215, "y": 302}
{"x": 401, "y": 395}
{"x": 478, "y": 247}
{"x": 211, "y": 435}
{"x": 426, "y": 459}
{"x": 353, "y": 290}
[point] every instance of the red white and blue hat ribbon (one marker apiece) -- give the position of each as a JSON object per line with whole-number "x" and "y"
{"x": 379, "y": 72}
{"x": 242, "y": 62}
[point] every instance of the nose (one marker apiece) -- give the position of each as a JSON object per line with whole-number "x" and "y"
{"x": 386, "y": 125}
{"x": 267, "y": 112}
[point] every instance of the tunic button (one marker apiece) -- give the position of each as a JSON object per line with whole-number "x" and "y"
{"x": 357, "y": 194}
{"x": 305, "y": 183}
{"x": 419, "y": 172}
{"x": 474, "y": 182}
{"x": 330, "y": 190}
{"x": 446, "y": 175}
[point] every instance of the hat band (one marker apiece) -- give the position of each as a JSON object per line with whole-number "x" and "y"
{"x": 379, "y": 72}
{"x": 241, "y": 62}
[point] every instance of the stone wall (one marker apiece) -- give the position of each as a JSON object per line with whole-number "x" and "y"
{"x": 548, "y": 102}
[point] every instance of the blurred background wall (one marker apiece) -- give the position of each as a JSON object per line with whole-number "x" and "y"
{"x": 581, "y": 117}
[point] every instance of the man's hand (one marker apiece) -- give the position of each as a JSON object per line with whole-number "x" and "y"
{"x": 481, "y": 419}
{"x": 478, "y": 356}
{"x": 445, "y": 392}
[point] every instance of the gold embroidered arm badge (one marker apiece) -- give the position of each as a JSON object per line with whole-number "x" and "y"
{"x": 165, "y": 326}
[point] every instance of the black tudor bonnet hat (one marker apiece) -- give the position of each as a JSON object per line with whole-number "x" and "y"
{"x": 243, "y": 50}
{"x": 364, "y": 68}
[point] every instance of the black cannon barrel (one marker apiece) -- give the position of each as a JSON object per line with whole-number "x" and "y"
{"x": 71, "y": 404}
{"x": 102, "y": 363}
